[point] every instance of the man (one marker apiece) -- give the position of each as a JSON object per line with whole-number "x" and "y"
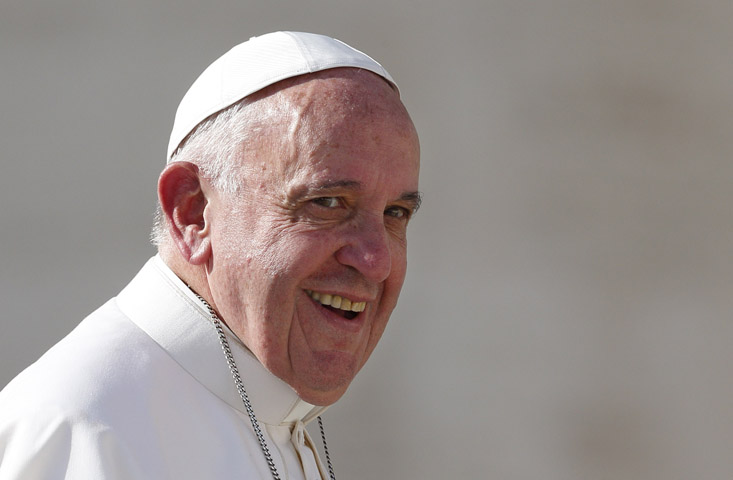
{"x": 292, "y": 174}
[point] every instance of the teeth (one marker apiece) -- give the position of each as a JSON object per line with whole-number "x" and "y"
{"x": 336, "y": 301}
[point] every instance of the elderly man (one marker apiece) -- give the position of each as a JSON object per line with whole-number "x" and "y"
{"x": 292, "y": 174}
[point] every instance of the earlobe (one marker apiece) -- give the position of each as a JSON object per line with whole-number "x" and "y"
{"x": 184, "y": 205}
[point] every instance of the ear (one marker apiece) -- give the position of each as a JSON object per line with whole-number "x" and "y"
{"x": 183, "y": 202}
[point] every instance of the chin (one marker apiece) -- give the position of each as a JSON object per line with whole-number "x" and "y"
{"x": 322, "y": 398}
{"x": 329, "y": 384}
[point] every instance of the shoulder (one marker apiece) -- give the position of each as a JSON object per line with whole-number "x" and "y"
{"x": 65, "y": 412}
{"x": 103, "y": 363}
{"x": 105, "y": 349}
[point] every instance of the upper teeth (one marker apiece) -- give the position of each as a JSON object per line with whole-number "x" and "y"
{"x": 337, "y": 301}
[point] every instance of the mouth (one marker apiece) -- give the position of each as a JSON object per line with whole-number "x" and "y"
{"x": 345, "y": 307}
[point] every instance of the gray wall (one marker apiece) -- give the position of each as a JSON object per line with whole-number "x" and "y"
{"x": 567, "y": 309}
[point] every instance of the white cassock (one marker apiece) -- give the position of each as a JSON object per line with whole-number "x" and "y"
{"x": 141, "y": 390}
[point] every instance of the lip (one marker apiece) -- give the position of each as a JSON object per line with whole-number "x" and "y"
{"x": 354, "y": 325}
{"x": 351, "y": 296}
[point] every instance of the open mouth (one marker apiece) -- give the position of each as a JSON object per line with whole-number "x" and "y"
{"x": 345, "y": 307}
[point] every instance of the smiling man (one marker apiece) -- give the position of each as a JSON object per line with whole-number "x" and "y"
{"x": 282, "y": 234}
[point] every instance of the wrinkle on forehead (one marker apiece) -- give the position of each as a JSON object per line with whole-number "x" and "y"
{"x": 342, "y": 103}
{"x": 348, "y": 94}
{"x": 330, "y": 94}
{"x": 299, "y": 113}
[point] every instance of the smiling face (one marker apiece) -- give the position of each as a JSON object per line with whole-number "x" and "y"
{"x": 309, "y": 258}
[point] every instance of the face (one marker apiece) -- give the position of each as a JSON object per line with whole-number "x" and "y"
{"x": 308, "y": 259}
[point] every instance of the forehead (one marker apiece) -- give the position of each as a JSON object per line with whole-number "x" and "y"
{"x": 329, "y": 98}
{"x": 340, "y": 123}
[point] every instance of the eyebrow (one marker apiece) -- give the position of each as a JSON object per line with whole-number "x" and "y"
{"x": 413, "y": 198}
{"x": 334, "y": 185}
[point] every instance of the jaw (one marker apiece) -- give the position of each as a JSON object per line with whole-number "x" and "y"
{"x": 316, "y": 350}
{"x": 325, "y": 351}
{"x": 327, "y": 385}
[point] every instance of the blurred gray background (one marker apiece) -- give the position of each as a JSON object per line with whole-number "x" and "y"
{"x": 567, "y": 309}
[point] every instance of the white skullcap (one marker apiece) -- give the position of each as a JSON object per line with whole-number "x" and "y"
{"x": 257, "y": 63}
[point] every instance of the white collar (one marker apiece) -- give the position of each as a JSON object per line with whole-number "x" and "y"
{"x": 158, "y": 302}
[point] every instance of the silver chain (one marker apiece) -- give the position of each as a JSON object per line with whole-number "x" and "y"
{"x": 325, "y": 449}
{"x": 245, "y": 399}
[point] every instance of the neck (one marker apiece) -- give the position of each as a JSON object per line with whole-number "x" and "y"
{"x": 192, "y": 275}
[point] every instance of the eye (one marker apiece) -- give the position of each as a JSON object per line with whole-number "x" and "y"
{"x": 397, "y": 212}
{"x": 327, "y": 202}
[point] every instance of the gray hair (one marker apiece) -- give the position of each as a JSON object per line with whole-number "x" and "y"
{"x": 214, "y": 147}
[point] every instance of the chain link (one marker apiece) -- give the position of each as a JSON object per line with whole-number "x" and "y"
{"x": 325, "y": 449}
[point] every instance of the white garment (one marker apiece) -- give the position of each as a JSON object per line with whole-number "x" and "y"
{"x": 141, "y": 390}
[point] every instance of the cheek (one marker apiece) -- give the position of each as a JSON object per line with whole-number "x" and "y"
{"x": 398, "y": 252}
{"x": 277, "y": 268}
{"x": 283, "y": 264}
{"x": 393, "y": 284}
{"x": 301, "y": 250}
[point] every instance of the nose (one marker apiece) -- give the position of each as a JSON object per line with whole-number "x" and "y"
{"x": 367, "y": 249}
